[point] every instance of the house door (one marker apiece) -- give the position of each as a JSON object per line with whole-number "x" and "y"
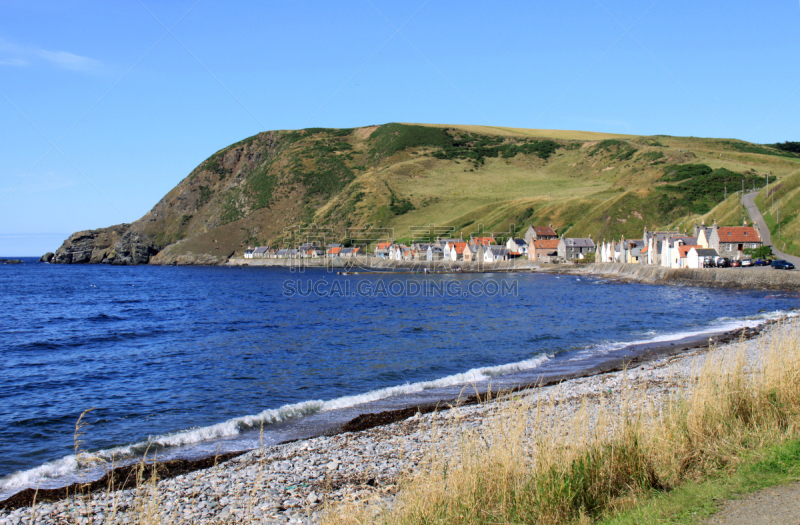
{"x": 741, "y": 246}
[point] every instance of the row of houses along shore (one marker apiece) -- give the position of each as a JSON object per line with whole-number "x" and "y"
{"x": 670, "y": 249}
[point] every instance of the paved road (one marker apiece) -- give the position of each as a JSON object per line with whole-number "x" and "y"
{"x": 750, "y": 205}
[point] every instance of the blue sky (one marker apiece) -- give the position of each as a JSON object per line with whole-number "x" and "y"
{"x": 105, "y": 106}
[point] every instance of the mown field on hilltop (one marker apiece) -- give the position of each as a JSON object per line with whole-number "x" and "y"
{"x": 406, "y": 181}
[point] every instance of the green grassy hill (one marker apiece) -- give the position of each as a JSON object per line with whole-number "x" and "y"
{"x": 400, "y": 181}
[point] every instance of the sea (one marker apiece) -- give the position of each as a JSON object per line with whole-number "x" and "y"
{"x": 122, "y": 361}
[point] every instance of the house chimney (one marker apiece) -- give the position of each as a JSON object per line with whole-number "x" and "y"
{"x": 715, "y": 226}
{"x": 744, "y": 223}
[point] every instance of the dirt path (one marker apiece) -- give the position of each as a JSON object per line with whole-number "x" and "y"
{"x": 772, "y": 506}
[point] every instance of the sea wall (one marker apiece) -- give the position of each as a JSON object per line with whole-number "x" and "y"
{"x": 761, "y": 277}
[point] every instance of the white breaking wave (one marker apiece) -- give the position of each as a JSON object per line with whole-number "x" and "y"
{"x": 719, "y": 325}
{"x": 63, "y": 467}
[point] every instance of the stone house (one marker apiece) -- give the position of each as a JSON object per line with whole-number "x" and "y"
{"x": 731, "y": 242}
{"x": 574, "y": 248}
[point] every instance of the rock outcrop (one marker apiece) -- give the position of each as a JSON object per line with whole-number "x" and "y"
{"x": 90, "y": 246}
{"x": 48, "y": 257}
{"x": 133, "y": 248}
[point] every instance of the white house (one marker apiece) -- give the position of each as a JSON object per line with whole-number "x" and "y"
{"x": 517, "y": 246}
{"x": 435, "y": 253}
{"x": 495, "y": 253}
{"x": 696, "y": 256}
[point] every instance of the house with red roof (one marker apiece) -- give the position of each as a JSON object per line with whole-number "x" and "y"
{"x": 456, "y": 251}
{"x": 731, "y": 241}
{"x": 683, "y": 252}
{"x": 545, "y": 250}
{"x": 540, "y": 233}
{"x": 382, "y": 250}
{"x": 483, "y": 241}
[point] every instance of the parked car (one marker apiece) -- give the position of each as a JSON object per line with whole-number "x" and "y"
{"x": 747, "y": 262}
{"x": 762, "y": 262}
{"x": 780, "y": 264}
{"x": 708, "y": 262}
{"x": 722, "y": 262}
{"x": 736, "y": 264}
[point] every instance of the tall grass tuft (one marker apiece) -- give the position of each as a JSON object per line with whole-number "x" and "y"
{"x": 528, "y": 464}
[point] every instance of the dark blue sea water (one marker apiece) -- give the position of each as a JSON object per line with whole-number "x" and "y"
{"x": 190, "y": 360}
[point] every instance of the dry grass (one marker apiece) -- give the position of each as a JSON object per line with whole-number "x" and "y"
{"x": 539, "y": 133}
{"x": 528, "y": 466}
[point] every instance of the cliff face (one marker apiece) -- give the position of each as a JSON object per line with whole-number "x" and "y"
{"x": 398, "y": 181}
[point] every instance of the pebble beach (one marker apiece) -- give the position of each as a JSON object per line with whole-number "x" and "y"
{"x": 296, "y": 482}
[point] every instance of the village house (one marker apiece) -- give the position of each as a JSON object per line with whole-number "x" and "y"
{"x": 636, "y": 252}
{"x": 670, "y": 250}
{"x": 248, "y": 253}
{"x": 683, "y": 252}
{"x": 473, "y": 252}
{"x": 456, "y": 252}
{"x": 544, "y": 251}
{"x": 495, "y": 253}
{"x": 435, "y": 253}
{"x": 540, "y": 233}
{"x": 573, "y": 248}
{"x": 260, "y": 252}
{"x": 517, "y": 247}
{"x": 483, "y": 241}
{"x": 334, "y": 251}
{"x": 697, "y": 257}
{"x": 731, "y": 242}
{"x": 443, "y": 242}
{"x": 382, "y": 250}
{"x": 703, "y": 234}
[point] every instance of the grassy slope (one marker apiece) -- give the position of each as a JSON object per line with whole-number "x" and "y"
{"x": 281, "y": 183}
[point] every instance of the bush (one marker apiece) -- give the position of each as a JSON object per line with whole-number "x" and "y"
{"x": 699, "y": 187}
{"x": 391, "y": 138}
{"x": 762, "y": 252}
{"x": 205, "y": 196}
{"x": 619, "y": 149}
{"x": 792, "y": 147}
